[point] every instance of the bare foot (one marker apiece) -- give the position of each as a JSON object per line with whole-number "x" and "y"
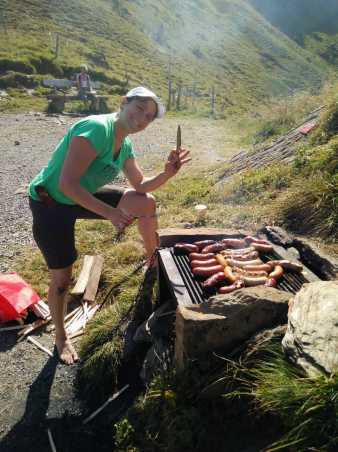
{"x": 66, "y": 351}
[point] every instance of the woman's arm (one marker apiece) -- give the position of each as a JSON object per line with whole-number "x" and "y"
{"x": 148, "y": 184}
{"x": 80, "y": 155}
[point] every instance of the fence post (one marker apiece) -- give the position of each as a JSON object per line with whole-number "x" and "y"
{"x": 178, "y": 96}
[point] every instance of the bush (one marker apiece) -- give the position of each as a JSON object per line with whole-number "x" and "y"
{"x": 45, "y": 65}
{"x": 16, "y": 66}
{"x": 328, "y": 125}
{"x": 17, "y": 80}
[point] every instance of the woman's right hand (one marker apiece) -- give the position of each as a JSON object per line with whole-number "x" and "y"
{"x": 120, "y": 219}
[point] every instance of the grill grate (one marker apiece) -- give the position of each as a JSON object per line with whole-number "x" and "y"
{"x": 187, "y": 288}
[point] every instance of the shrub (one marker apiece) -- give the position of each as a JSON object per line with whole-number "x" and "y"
{"x": 328, "y": 125}
{"x": 16, "y": 66}
{"x": 45, "y": 65}
{"x": 17, "y": 80}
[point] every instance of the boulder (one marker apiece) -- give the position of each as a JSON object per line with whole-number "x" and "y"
{"x": 323, "y": 265}
{"x": 224, "y": 321}
{"x": 311, "y": 339}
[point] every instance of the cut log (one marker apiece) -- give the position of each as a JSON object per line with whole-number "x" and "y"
{"x": 94, "y": 279}
{"x": 81, "y": 284}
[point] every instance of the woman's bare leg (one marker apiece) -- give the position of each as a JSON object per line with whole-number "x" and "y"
{"x": 60, "y": 280}
{"x": 143, "y": 207}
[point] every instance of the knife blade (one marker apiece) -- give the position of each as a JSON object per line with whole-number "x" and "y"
{"x": 178, "y": 138}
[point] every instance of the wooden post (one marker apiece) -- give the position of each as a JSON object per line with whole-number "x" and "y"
{"x": 213, "y": 97}
{"x": 169, "y": 84}
{"x": 178, "y": 97}
{"x": 57, "y": 45}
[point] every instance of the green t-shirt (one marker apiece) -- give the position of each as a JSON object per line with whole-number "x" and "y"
{"x": 99, "y": 130}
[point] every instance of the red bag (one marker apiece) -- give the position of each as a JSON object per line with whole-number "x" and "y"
{"x": 15, "y": 297}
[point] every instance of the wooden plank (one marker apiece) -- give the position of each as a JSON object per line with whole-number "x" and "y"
{"x": 94, "y": 279}
{"x": 176, "y": 284}
{"x": 81, "y": 284}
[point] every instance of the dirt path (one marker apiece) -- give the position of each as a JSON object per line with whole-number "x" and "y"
{"x": 37, "y": 392}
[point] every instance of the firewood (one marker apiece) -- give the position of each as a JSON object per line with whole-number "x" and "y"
{"x": 33, "y": 326}
{"x": 11, "y": 328}
{"x": 113, "y": 397}
{"x": 83, "y": 279}
{"x": 38, "y": 345}
{"x": 94, "y": 278}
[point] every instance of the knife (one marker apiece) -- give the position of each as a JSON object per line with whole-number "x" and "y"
{"x": 178, "y": 138}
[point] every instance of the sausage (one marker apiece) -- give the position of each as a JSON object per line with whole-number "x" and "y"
{"x": 228, "y": 289}
{"x": 186, "y": 248}
{"x": 235, "y": 263}
{"x": 254, "y": 281}
{"x": 200, "y": 256}
{"x": 221, "y": 260}
{"x": 229, "y": 275}
{"x": 214, "y": 248}
{"x": 245, "y": 271}
{"x": 214, "y": 279}
{"x": 260, "y": 267}
{"x": 239, "y": 251}
{"x": 207, "y": 271}
{"x": 288, "y": 265}
{"x": 277, "y": 272}
{"x": 207, "y": 263}
{"x": 271, "y": 282}
{"x": 262, "y": 247}
{"x": 203, "y": 243}
{"x": 250, "y": 239}
{"x": 245, "y": 257}
{"x": 234, "y": 243}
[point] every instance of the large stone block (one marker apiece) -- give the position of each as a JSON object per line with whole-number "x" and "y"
{"x": 311, "y": 339}
{"x": 224, "y": 321}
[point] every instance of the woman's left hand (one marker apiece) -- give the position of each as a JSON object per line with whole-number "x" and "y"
{"x": 176, "y": 159}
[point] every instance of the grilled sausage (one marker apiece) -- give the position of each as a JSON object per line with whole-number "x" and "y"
{"x": 250, "y": 239}
{"x": 214, "y": 279}
{"x": 260, "y": 267}
{"x": 271, "y": 282}
{"x": 254, "y": 281}
{"x": 245, "y": 257}
{"x": 206, "y": 263}
{"x": 229, "y": 275}
{"x": 203, "y": 243}
{"x": 288, "y": 265}
{"x": 234, "y": 243}
{"x": 214, "y": 248}
{"x": 262, "y": 247}
{"x": 200, "y": 256}
{"x": 207, "y": 271}
{"x": 277, "y": 272}
{"x": 245, "y": 271}
{"x": 228, "y": 289}
{"x": 239, "y": 251}
{"x": 236, "y": 263}
{"x": 221, "y": 260}
{"x": 186, "y": 248}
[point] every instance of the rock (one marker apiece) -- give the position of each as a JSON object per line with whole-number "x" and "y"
{"x": 323, "y": 265}
{"x": 277, "y": 235}
{"x": 311, "y": 339}
{"x": 16, "y": 142}
{"x": 224, "y": 321}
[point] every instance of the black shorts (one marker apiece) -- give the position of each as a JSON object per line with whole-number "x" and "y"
{"x": 53, "y": 226}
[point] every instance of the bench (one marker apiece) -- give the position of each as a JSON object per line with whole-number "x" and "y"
{"x": 61, "y": 95}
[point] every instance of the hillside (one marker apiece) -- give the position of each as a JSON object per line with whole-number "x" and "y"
{"x": 225, "y": 44}
{"x": 311, "y": 23}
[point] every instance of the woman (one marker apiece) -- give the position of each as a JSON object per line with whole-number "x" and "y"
{"x": 90, "y": 155}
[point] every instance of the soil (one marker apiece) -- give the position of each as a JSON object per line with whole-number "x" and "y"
{"x": 37, "y": 392}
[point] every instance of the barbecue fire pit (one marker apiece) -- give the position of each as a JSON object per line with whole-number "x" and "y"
{"x": 178, "y": 283}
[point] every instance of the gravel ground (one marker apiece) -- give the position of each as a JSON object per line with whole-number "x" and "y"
{"x": 27, "y": 141}
{"x": 36, "y": 391}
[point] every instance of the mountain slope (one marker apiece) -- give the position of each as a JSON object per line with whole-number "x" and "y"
{"x": 221, "y": 43}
